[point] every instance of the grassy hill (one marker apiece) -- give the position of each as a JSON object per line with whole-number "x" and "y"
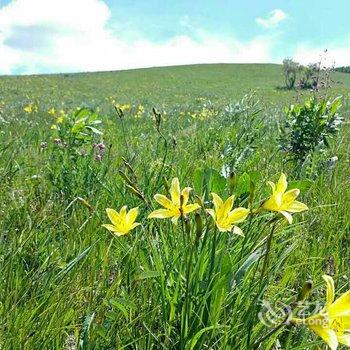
{"x": 215, "y": 280}
{"x": 220, "y": 83}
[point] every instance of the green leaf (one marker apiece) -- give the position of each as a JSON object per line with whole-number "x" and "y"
{"x": 147, "y": 274}
{"x": 194, "y": 340}
{"x": 252, "y": 258}
{"x": 303, "y": 185}
{"x": 94, "y": 130}
{"x": 243, "y": 185}
{"x": 84, "y": 336}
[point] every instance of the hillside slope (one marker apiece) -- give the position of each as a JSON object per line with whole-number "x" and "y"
{"x": 159, "y": 86}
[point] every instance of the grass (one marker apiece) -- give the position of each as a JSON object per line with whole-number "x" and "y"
{"x": 68, "y": 283}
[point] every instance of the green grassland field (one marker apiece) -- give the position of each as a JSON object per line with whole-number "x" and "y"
{"x": 73, "y": 145}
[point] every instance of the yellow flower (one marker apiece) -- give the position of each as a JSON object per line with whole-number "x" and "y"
{"x": 122, "y": 222}
{"x": 28, "y": 109}
{"x": 332, "y": 324}
{"x": 124, "y": 108}
{"x": 52, "y": 111}
{"x": 59, "y": 120}
{"x": 53, "y": 127}
{"x": 177, "y": 206}
{"x": 283, "y": 201}
{"x": 225, "y": 218}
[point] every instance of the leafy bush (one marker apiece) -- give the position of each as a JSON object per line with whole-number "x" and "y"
{"x": 75, "y": 151}
{"x": 78, "y": 128}
{"x": 309, "y": 126}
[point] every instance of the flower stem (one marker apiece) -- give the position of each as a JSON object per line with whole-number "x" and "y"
{"x": 268, "y": 249}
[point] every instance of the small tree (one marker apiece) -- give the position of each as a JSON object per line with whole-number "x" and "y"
{"x": 290, "y": 70}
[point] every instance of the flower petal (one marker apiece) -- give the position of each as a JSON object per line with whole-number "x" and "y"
{"x": 287, "y": 216}
{"x": 217, "y": 201}
{"x": 132, "y": 215}
{"x": 272, "y": 185}
{"x": 228, "y": 205}
{"x": 161, "y": 214}
{"x": 113, "y": 216}
{"x": 344, "y": 339}
{"x": 327, "y": 334}
{"x": 346, "y": 322}
{"x": 122, "y": 213}
{"x": 236, "y": 230}
{"x": 297, "y": 207}
{"x": 164, "y": 201}
{"x": 121, "y": 233}
{"x": 282, "y": 184}
{"x": 190, "y": 207}
{"x": 330, "y": 289}
{"x": 223, "y": 227}
{"x": 135, "y": 224}
{"x": 270, "y": 204}
{"x": 115, "y": 230}
{"x": 175, "y": 191}
{"x": 238, "y": 215}
{"x": 175, "y": 219}
{"x": 185, "y": 193}
{"x": 211, "y": 212}
{"x": 290, "y": 195}
{"x": 110, "y": 227}
{"x": 341, "y": 307}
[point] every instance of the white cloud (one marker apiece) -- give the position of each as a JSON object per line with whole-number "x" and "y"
{"x": 338, "y": 55}
{"x": 272, "y": 19}
{"x": 72, "y": 35}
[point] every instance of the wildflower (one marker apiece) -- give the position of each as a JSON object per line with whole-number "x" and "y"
{"x": 28, "y": 108}
{"x": 284, "y": 202}
{"x": 123, "y": 108}
{"x": 98, "y": 157}
{"x": 332, "y": 324}
{"x": 122, "y": 222}
{"x": 140, "y": 111}
{"x": 52, "y": 111}
{"x": 59, "y": 120}
{"x": 54, "y": 127}
{"x": 43, "y": 145}
{"x": 225, "y": 218}
{"x": 100, "y": 147}
{"x": 177, "y": 206}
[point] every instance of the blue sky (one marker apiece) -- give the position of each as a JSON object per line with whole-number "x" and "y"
{"x": 47, "y": 36}
{"x": 312, "y": 20}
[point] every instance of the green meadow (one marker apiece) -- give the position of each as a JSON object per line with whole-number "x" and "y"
{"x": 73, "y": 145}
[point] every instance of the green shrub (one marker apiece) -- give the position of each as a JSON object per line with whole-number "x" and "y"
{"x": 75, "y": 153}
{"x": 309, "y": 126}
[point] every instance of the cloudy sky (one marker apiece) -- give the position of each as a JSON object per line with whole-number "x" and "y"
{"x": 49, "y": 36}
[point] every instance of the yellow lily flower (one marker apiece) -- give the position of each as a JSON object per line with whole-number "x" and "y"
{"x": 28, "y": 109}
{"x": 225, "y": 218}
{"x": 59, "y": 120}
{"x": 283, "y": 201}
{"x": 122, "y": 222}
{"x": 177, "y": 206}
{"x": 332, "y": 324}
